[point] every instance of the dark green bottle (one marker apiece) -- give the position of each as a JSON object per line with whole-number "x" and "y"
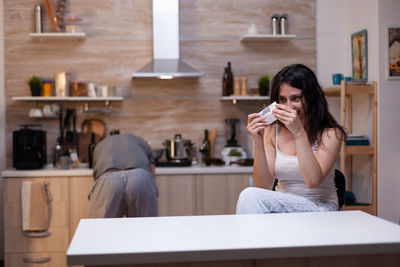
{"x": 91, "y": 148}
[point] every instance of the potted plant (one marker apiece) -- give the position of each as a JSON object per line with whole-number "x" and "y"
{"x": 263, "y": 85}
{"x": 35, "y": 84}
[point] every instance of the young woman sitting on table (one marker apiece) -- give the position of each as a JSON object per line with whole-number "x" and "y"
{"x": 299, "y": 149}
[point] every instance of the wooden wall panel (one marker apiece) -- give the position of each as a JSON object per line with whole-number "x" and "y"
{"x": 119, "y": 42}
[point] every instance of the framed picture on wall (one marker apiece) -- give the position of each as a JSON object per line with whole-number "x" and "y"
{"x": 359, "y": 55}
{"x": 394, "y": 53}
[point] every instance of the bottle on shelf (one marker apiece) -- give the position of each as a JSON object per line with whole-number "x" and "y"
{"x": 91, "y": 147}
{"x": 227, "y": 81}
{"x": 205, "y": 149}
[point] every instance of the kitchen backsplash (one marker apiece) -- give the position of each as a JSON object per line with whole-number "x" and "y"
{"x": 118, "y": 43}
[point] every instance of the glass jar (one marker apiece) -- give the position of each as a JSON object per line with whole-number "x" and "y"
{"x": 46, "y": 87}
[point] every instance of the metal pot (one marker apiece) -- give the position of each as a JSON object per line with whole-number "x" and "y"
{"x": 178, "y": 149}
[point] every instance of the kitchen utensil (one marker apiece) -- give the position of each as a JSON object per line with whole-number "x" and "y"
{"x": 243, "y": 162}
{"x": 283, "y": 24}
{"x": 69, "y": 136}
{"x": 244, "y": 86}
{"x": 64, "y": 162}
{"x": 29, "y": 148}
{"x": 231, "y": 131}
{"x": 157, "y": 153}
{"x": 94, "y": 125}
{"x": 274, "y": 24}
{"x": 60, "y": 13}
{"x": 61, "y": 138}
{"x": 178, "y": 149}
{"x": 35, "y": 113}
{"x": 38, "y": 18}
{"x": 213, "y": 135}
{"x": 51, "y": 9}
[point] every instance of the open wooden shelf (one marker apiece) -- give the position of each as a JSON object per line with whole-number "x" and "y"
{"x": 66, "y": 98}
{"x": 346, "y": 92}
{"x": 266, "y": 37}
{"x": 251, "y": 98}
{"x": 350, "y": 90}
{"x": 359, "y": 150}
{"x": 234, "y": 99}
{"x": 59, "y": 35}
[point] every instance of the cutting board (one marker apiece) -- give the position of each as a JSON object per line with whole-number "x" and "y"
{"x": 88, "y": 127}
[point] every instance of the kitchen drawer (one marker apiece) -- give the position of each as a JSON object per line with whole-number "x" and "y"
{"x": 17, "y": 259}
{"x": 16, "y": 242}
{"x": 13, "y": 214}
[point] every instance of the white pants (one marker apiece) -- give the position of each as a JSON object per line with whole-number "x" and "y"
{"x": 254, "y": 200}
{"x": 132, "y": 193}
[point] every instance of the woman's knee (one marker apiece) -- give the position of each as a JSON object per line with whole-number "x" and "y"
{"x": 247, "y": 201}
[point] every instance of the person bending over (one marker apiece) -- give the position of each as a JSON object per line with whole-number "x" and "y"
{"x": 299, "y": 149}
{"x": 124, "y": 173}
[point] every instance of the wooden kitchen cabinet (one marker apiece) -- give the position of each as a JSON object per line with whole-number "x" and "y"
{"x": 176, "y": 195}
{"x": 218, "y": 193}
{"x": 346, "y": 91}
{"x": 79, "y": 189}
{"x": 19, "y": 249}
{"x": 179, "y": 195}
{"x": 200, "y": 194}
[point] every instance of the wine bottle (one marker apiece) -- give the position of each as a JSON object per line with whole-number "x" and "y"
{"x": 230, "y": 80}
{"x": 205, "y": 149}
{"x": 225, "y": 77}
{"x": 91, "y": 147}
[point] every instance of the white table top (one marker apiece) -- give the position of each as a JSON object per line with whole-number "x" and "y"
{"x": 230, "y": 237}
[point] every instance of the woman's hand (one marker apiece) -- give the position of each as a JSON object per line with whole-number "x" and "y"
{"x": 256, "y": 126}
{"x": 290, "y": 118}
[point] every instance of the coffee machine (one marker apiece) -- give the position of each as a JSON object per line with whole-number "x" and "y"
{"x": 29, "y": 148}
{"x": 232, "y": 151}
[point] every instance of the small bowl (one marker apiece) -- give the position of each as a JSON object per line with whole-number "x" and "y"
{"x": 157, "y": 153}
{"x": 35, "y": 113}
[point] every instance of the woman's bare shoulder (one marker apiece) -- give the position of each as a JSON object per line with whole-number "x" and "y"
{"x": 332, "y": 133}
{"x": 332, "y": 137}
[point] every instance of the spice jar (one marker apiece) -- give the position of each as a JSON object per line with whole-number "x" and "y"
{"x": 46, "y": 87}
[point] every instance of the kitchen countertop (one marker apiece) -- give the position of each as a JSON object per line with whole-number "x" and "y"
{"x": 230, "y": 237}
{"x": 159, "y": 170}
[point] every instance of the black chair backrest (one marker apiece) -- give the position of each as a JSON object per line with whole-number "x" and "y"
{"x": 340, "y": 183}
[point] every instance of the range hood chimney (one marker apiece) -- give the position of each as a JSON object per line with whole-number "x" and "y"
{"x": 166, "y": 63}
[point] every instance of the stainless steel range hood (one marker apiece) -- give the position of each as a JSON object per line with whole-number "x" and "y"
{"x": 166, "y": 63}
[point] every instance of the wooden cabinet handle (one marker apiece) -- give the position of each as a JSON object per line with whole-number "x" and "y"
{"x": 36, "y": 234}
{"x": 37, "y": 260}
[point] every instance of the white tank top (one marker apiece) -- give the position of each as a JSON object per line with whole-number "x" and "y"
{"x": 288, "y": 173}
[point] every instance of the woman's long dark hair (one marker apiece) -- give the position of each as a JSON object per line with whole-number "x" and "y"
{"x": 317, "y": 115}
